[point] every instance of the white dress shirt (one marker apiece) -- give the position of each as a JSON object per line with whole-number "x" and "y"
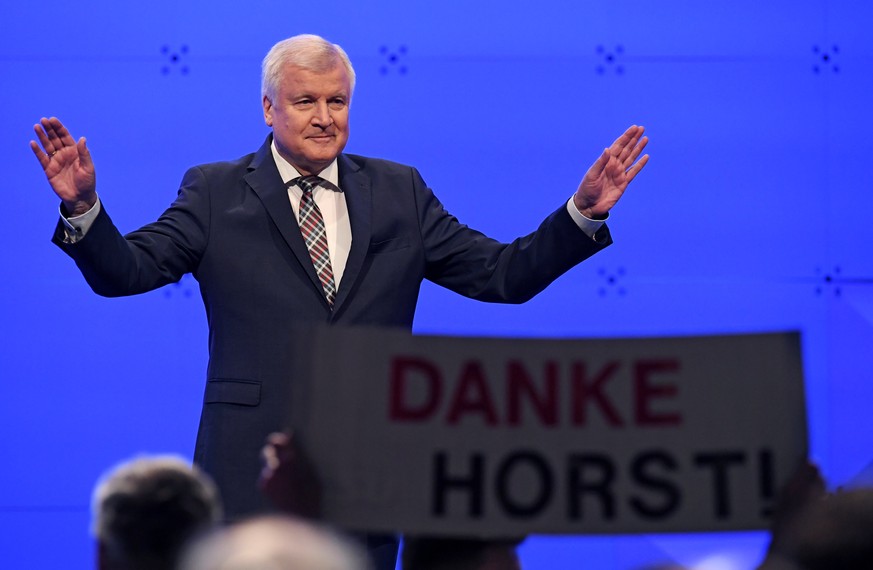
{"x": 333, "y": 209}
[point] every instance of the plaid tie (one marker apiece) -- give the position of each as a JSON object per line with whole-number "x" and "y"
{"x": 312, "y": 228}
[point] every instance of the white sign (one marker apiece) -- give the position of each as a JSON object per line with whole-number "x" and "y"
{"x": 508, "y": 437}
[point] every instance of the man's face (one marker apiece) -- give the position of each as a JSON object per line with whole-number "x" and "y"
{"x": 310, "y": 116}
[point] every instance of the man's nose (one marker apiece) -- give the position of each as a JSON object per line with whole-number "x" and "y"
{"x": 321, "y": 116}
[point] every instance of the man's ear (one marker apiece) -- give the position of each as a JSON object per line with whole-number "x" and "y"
{"x": 268, "y": 111}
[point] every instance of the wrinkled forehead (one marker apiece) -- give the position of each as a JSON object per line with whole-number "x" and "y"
{"x": 331, "y": 81}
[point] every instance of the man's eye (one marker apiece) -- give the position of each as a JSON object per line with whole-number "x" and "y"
{"x": 303, "y": 103}
{"x": 337, "y": 103}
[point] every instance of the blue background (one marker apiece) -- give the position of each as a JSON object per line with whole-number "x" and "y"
{"x": 753, "y": 214}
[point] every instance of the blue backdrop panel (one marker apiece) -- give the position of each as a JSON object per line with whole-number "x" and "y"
{"x": 753, "y": 214}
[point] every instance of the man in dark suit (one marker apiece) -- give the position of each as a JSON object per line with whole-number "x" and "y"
{"x": 274, "y": 248}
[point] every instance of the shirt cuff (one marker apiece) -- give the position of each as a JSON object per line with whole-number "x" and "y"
{"x": 76, "y": 227}
{"x": 587, "y": 225}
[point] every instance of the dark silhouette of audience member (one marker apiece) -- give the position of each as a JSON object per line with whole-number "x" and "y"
{"x": 816, "y": 530}
{"x": 275, "y": 543}
{"x": 432, "y": 553}
{"x": 290, "y": 482}
{"x": 804, "y": 488}
{"x": 146, "y": 510}
{"x": 836, "y": 533}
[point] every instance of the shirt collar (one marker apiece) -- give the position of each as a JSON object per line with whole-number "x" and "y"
{"x": 289, "y": 173}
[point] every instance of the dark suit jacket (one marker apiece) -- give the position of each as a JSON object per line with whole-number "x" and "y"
{"x": 233, "y": 228}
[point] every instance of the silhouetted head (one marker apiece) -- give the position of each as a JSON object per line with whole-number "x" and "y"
{"x": 275, "y": 543}
{"x": 145, "y": 511}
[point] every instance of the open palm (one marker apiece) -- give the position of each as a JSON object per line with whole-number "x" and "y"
{"x": 609, "y": 176}
{"x": 67, "y": 165}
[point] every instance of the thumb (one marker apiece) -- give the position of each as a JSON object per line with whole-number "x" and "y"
{"x": 601, "y": 162}
{"x": 84, "y": 154}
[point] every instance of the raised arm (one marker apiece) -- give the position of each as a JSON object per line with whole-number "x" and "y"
{"x": 67, "y": 165}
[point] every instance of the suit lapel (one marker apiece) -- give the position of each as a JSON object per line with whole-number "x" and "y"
{"x": 356, "y": 188}
{"x": 263, "y": 177}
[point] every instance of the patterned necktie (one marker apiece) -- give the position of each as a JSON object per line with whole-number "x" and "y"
{"x": 312, "y": 228}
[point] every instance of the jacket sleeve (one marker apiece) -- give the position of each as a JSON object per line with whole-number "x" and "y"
{"x": 150, "y": 257}
{"x": 472, "y": 264}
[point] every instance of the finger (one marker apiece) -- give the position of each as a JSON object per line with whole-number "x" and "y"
{"x": 278, "y": 438}
{"x": 599, "y": 164}
{"x": 39, "y": 129}
{"x": 54, "y": 141}
{"x": 84, "y": 154}
{"x": 270, "y": 457}
{"x": 63, "y": 134}
{"x": 630, "y": 145}
{"x": 618, "y": 145}
{"x": 42, "y": 157}
{"x": 628, "y": 150}
{"x": 635, "y": 152}
{"x": 635, "y": 169}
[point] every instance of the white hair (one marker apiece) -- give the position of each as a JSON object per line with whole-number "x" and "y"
{"x": 275, "y": 543}
{"x": 307, "y": 51}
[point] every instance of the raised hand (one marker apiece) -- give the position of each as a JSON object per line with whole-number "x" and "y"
{"x": 609, "y": 176}
{"x": 288, "y": 478}
{"x": 804, "y": 488}
{"x": 67, "y": 165}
